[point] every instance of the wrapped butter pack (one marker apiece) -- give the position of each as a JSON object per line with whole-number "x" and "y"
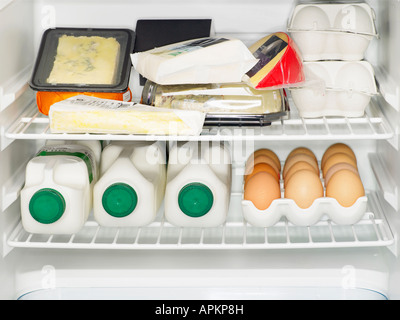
{"x": 84, "y": 114}
{"x": 204, "y": 60}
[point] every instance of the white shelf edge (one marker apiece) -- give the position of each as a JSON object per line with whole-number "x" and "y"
{"x": 10, "y": 91}
{"x": 388, "y": 87}
{"x": 11, "y": 189}
{"x": 386, "y": 183}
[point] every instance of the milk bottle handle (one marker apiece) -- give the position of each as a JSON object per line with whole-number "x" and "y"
{"x": 84, "y": 156}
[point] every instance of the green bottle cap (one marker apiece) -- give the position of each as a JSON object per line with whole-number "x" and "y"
{"x": 47, "y": 206}
{"x": 195, "y": 199}
{"x": 119, "y": 200}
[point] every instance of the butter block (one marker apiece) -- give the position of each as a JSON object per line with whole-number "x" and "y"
{"x": 84, "y": 114}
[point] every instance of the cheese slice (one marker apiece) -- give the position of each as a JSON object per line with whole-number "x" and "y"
{"x": 85, "y": 60}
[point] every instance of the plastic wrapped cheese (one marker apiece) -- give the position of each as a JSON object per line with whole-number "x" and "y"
{"x": 279, "y": 63}
{"x": 84, "y": 114}
{"x": 213, "y": 98}
{"x": 204, "y": 60}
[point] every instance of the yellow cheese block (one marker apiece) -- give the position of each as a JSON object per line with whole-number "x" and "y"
{"x": 84, "y": 114}
{"x": 85, "y": 60}
{"x": 136, "y": 122}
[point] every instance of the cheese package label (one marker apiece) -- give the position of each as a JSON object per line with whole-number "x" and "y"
{"x": 45, "y": 99}
{"x": 279, "y": 63}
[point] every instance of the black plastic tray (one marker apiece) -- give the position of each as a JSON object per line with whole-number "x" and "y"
{"x": 48, "y": 50}
{"x": 257, "y": 120}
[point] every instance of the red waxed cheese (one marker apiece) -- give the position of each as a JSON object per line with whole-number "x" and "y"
{"x": 280, "y": 64}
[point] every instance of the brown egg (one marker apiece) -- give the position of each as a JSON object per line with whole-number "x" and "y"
{"x": 302, "y": 150}
{"x": 337, "y": 148}
{"x": 300, "y": 165}
{"x": 270, "y": 154}
{"x": 304, "y": 188}
{"x": 337, "y": 167}
{"x": 261, "y": 167}
{"x": 346, "y": 187}
{"x": 296, "y": 158}
{"x": 338, "y": 158}
{"x": 262, "y": 159}
{"x": 262, "y": 189}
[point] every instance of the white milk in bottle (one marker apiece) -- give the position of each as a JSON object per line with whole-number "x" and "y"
{"x": 198, "y": 184}
{"x": 131, "y": 185}
{"x": 57, "y": 196}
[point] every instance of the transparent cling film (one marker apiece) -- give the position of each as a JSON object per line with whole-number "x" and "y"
{"x": 237, "y": 98}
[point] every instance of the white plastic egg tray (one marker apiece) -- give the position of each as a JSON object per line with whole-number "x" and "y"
{"x": 335, "y": 88}
{"x": 322, "y": 209}
{"x": 332, "y": 31}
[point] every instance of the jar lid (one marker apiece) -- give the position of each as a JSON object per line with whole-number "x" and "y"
{"x": 47, "y": 206}
{"x": 119, "y": 200}
{"x": 195, "y": 200}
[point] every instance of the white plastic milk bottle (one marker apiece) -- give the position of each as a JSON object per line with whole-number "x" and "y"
{"x": 131, "y": 185}
{"x": 57, "y": 196}
{"x": 198, "y": 184}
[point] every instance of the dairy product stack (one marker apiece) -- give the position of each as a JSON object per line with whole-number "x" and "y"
{"x": 131, "y": 185}
{"x": 57, "y": 196}
{"x": 333, "y": 39}
{"x": 198, "y": 184}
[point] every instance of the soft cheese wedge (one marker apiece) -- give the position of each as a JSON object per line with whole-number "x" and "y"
{"x": 85, "y": 60}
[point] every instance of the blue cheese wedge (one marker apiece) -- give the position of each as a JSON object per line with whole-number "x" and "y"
{"x": 85, "y": 60}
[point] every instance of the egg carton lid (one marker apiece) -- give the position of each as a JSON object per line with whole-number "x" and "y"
{"x": 349, "y": 76}
{"x": 355, "y": 18}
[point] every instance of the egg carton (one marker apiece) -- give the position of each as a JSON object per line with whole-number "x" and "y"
{"x": 335, "y": 88}
{"x": 332, "y": 31}
{"x": 321, "y": 209}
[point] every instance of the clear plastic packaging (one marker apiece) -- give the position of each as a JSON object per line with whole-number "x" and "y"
{"x": 227, "y": 101}
{"x": 325, "y": 31}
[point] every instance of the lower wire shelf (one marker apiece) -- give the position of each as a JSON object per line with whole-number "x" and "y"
{"x": 371, "y": 231}
{"x": 32, "y": 125}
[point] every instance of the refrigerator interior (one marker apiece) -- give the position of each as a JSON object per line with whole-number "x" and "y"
{"x": 232, "y": 261}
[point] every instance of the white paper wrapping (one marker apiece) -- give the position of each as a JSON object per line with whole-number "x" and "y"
{"x": 84, "y": 114}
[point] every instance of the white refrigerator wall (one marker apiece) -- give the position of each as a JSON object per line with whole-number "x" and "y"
{"x": 22, "y": 23}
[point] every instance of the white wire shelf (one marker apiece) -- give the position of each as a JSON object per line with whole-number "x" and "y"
{"x": 373, "y": 125}
{"x": 371, "y": 231}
